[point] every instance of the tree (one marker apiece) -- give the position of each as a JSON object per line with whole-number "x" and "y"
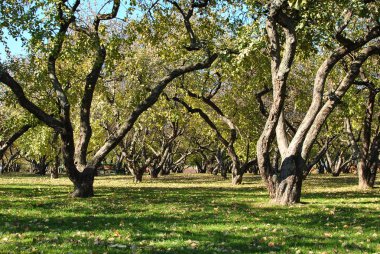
{"x": 285, "y": 187}
{"x": 80, "y": 170}
{"x": 367, "y": 152}
{"x": 238, "y": 168}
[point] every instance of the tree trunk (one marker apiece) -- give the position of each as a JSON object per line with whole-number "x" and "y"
{"x": 154, "y": 172}
{"x": 287, "y": 187}
{"x": 138, "y": 177}
{"x": 54, "y": 170}
{"x": 236, "y": 170}
{"x": 223, "y": 172}
{"x": 83, "y": 184}
{"x": 40, "y": 165}
{"x": 165, "y": 171}
{"x": 366, "y": 175}
{"x": 215, "y": 171}
{"x": 237, "y": 179}
{"x": 337, "y": 172}
{"x": 288, "y": 191}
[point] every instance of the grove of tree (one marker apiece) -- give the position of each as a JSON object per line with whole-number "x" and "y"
{"x": 276, "y": 87}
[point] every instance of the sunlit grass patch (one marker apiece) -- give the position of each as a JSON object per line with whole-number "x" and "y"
{"x": 185, "y": 214}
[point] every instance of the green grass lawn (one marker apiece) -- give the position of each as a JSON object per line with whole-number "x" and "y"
{"x": 185, "y": 214}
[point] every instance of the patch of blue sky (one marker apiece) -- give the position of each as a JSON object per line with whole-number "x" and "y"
{"x": 13, "y": 47}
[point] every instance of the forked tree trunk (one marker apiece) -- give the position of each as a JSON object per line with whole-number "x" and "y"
{"x": 84, "y": 184}
{"x": 286, "y": 189}
{"x": 237, "y": 178}
{"x": 83, "y": 180}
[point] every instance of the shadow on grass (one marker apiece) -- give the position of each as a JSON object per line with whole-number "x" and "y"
{"x": 208, "y": 231}
{"x": 183, "y": 219}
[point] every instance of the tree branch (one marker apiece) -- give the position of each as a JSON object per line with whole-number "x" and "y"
{"x": 5, "y": 145}
{"x": 327, "y": 108}
{"x": 146, "y": 104}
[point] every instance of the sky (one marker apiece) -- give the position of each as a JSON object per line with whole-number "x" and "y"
{"x": 16, "y": 48}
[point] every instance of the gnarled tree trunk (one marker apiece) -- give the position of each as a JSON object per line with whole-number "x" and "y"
{"x": 289, "y": 183}
{"x": 84, "y": 183}
{"x": 286, "y": 188}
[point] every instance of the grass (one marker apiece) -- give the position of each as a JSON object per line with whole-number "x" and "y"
{"x": 185, "y": 214}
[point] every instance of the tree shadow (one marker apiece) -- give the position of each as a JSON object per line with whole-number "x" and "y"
{"x": 182, "y": 218}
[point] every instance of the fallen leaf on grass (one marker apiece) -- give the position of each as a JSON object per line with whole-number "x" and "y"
{"x": 116, "y": 233}
{"x": 193, "y": 244}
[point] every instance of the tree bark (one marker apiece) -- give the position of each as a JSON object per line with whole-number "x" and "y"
{"x": 237, "y": 178}
{"x": 369, "y": 156}
{"x": 154, "y": 172}
{"x": 137, "y": 178}
{"x": 281, "y": 189}
{"x": 55, "y": 168}
{"x": 84, "y": 184}
{"x": 289, "y": 183}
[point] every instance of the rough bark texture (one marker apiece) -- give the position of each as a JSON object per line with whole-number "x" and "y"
{"x": 280, "y": 68}
{"x": 83, "y": 184}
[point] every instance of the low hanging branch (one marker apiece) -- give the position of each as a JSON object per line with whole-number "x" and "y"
{"x": 7, "y": 143}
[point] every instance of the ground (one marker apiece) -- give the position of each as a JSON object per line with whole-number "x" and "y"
{"x": 185, "y": 214}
